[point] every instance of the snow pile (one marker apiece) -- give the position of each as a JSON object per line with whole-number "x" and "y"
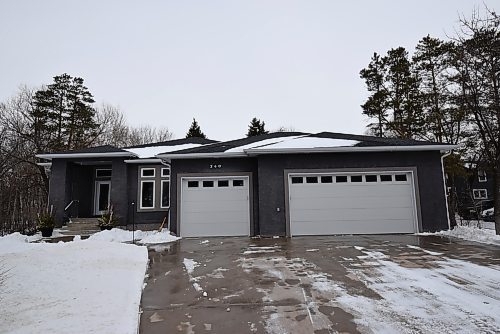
{"x": 73, "y": 287}
{"x": 485, "y": 236}
{"x": 307, "y": 143}
{"x": 143, "y": 237}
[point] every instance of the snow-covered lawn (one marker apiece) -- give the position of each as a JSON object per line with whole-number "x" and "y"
{"x": 90, "y": 286}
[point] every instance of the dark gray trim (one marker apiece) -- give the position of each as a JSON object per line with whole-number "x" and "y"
{"x": 215, "y": 175}
{"x": 413, "y": 170}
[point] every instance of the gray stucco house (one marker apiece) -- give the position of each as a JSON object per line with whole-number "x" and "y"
{"x": 285, "y": 184}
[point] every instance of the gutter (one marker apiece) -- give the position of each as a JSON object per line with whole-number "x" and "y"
{"x": 85, "y": 155}
{"x": 143, "y": 161}
{"x": 253, "y": 151}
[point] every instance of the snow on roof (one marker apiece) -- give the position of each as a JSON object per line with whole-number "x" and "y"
{"x": 302, "y": 142}
{"x": 261, "y": 143}
{"x": 152, "y": 151}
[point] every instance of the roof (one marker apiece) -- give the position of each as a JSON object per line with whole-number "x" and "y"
{"x": 140, "y": 151}
{"x": 298, "y": 142}
{"x": 151, "y": 150}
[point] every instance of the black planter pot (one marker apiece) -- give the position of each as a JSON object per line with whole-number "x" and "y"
{"x": 106, "y": 228}
{"x": 47, "y": 231}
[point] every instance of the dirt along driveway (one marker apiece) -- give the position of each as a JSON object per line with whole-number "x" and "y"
{"x": 338, "y": 284}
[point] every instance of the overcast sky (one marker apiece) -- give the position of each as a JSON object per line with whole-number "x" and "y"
{"x": 289, "y": 63}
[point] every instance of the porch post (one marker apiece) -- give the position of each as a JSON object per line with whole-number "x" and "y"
{"x": 119, "y": 194}
{"x": 59, "y": 189}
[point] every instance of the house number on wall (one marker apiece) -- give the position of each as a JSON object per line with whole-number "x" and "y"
{"x": 215, "y": 166}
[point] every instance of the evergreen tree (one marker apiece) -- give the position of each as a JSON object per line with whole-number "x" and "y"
{"x": 256, "y": 128}
{"x": 195, "y": 131}
{"x": 63, "y": 115}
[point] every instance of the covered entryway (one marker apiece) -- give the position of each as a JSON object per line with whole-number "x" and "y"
{"x": 352, "y": 203}
{"x": 215, "y": 206}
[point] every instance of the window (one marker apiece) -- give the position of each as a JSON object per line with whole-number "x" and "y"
{"x": 400, "y": 177}
{"x": 481, "y": 176}
{"x": 154, "y": 188}
{"x": 165, "y": 194}
{"x": 222, "y": 183}
{"x": 326, "y": 179}
{"x": 356, "y": 178}
{"x": 238, "y": 183}
{"x": 311, "y": 179}
{"x": 480, "y": 193}
{"x": 341, "y": 179}
{"x": 371, "y": 178}
{"x": 165, "y": 172}
{"x": 192, "y": 184}
{"x": 147, "y": 194}
{"x": 103, "y": 173}
{"x": 386, "y": 178}
{"x": 297, "y": 179}
{"x": 147, "y": 172}
{"x": 208, "y": 184}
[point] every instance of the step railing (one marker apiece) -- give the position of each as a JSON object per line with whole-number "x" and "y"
{"x": 71, "y": 210}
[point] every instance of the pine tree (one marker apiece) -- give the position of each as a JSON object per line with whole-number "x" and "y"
{"x": 256, "y": 128}
{"x": 195, "y": 131}
{"x": 63, "y": 114}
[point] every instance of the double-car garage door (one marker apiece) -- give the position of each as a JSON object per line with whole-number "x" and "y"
{"x": 215, "y": 206}
{"x": 351, "y": 203}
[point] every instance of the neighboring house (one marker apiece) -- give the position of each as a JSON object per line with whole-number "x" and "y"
{"x": 474, "y": 191}
{"x": 285, "y": 184}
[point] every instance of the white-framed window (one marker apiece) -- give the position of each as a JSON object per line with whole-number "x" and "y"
{"x": 481, "y": 176}
{"x": 154, "y": 188}
{"x": 147, "y": 195}
{"x": 148, "y": 172}
{"x": 165, "y": 194}
{"x": 165, "y": 172}
{"x": 102, "y": 172}
{"x": 480, "y": 193}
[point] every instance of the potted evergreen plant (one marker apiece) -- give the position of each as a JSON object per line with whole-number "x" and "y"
{"x": 46, "y": 222}
{"x": 108, "y": 219}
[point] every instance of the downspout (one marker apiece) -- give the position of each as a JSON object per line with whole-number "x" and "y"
{"x": 444, "y": 186}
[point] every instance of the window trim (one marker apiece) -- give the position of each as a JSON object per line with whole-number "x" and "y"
{"x": 479, "y": 190}
{"x": 148, "y": 168}
{"x": 161, "y": 172}
{"x": 102, "y": 177}
{"x": 154, "y": 195}
{"x": 161, "y": 194}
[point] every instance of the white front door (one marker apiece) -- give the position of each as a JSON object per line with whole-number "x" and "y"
{"x": 102, "y": 196}
{"x": 215, "y": 206}
{"x": 352, "y": 203}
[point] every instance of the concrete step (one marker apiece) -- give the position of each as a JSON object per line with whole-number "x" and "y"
{"x": 81, "y": 226}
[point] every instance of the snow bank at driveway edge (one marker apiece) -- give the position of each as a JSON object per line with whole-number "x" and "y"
{"x": 485, "y": 236}
{"x": 142, "y": 237}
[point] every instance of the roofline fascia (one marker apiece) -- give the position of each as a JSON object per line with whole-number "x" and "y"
{"x": 167, "y": 156}
{"x": 143, "y": 161}
{"x": 85, "y": 155}
{"x": 253, "y": 152}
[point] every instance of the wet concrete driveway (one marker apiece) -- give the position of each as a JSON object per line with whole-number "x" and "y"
{"x": 337, "y": 284}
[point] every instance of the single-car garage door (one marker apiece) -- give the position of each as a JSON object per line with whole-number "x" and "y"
{"x": 215, "y": 207}
{"x": 352, "y": 203}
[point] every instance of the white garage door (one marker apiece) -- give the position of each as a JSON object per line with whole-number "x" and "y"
{"x": 215, "y": 207}
{"x": 352, "y": 203}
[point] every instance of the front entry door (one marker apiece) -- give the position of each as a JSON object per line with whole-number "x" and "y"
{"x": 102, "y": 196}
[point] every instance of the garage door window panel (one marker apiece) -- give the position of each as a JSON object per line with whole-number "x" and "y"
{"x": 370, "y": 178}
{"x": 208, "y": 184}
{"x": 297, "y": 179}
{"x": 238, "y": 183}
{"x": 356, "y": 178}
{"x": 341, "y": 179}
